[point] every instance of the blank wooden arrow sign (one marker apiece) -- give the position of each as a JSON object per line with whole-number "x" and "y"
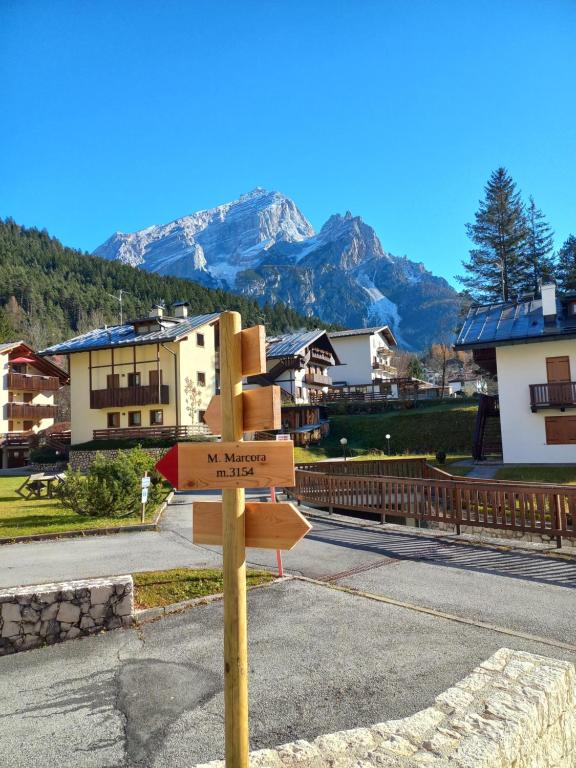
{"x": 267, "y": 525}
{"x": 261, "y": 410}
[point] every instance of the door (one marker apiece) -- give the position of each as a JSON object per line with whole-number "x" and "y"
{"x": 559, "y": 387}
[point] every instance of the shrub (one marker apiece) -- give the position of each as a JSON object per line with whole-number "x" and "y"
{"x": 45, "y": 455}
{"x": 111, "y": 487}
{"x": 441, "y": 457}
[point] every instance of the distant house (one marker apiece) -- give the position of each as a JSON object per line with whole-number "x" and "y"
{"x": 299, "y": 364}
{"x": 365, "y": 355}
{"x": 530, "y": 345}
{"x": 153, "y": 376}
{"x": 467, "y": 384}
{"x": 27, "y": 387}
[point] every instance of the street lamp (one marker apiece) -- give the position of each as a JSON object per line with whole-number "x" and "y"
{"x": 344, "y": 443}
{"x": 388, "y": 440}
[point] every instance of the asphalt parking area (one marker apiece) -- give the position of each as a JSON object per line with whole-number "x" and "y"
{"x": 320, "y": 660}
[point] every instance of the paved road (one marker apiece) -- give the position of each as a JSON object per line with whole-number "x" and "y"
{"x": 320, "y": 660}
{"x": 526, "y": 592}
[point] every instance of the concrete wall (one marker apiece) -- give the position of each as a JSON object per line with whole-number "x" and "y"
{"x": 184, "y": 405}
{"x": 355, "y": 354}
{"x": 523, "y": 432}
{"x": 49, "y": 613}
{"x": 516, "y": 710}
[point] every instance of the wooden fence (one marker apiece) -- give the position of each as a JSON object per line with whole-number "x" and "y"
{"x": 428, "y": 493}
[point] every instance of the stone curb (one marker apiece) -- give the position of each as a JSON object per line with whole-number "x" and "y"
{"x": 153, "y": 526}
{"x": 466, "y": 539}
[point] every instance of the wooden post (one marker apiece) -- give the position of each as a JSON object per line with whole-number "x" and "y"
{"x": 558, "y": 519}
{"x": 235, "y": 627}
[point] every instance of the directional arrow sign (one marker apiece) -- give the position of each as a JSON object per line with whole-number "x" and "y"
{"x": 261, "y": 410}
{"x": 242, "y": 464}
{"x": 266, "y": 525}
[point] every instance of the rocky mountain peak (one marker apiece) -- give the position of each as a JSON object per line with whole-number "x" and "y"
{"x": 262, "y": 245}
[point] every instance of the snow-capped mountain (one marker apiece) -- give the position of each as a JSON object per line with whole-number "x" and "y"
{"x": 261, "y": 245}
{"x": 212, "y": 246}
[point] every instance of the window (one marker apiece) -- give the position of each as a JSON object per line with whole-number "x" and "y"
{"x": 558, "y": 369}
{"x": 134, "y": 379}
{"x": 156, "y": 417}
{"x": 113, "y": 380}
{"x": 18, "y": 367}
{"x": 201, "y": 417}
{"x": 561, "y": 430}
{"x": 200, "y": 339}
{"x": 114, "y": 420}
{"x": 201, "y": 379}
{"x": 154, "y": 378}
{"x": 134, "y": 418}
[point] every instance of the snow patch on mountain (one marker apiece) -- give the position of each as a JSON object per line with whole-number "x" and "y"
{"x": 381, "y": 311}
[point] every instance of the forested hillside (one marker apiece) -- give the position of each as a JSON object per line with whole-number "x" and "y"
{"x": 49, "y": 292}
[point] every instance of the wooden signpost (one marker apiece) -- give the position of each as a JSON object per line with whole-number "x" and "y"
{"x": 267, "y": 525}
{"x": 233, "y": 465}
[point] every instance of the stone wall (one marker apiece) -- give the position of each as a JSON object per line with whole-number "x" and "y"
{"x": 49, "y": 613}
{"x": 83, "y": 459}
{"x": 516, "y": 710}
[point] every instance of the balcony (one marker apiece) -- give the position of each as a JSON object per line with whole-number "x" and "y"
{"x": 119, "y": 397}
{"x": 321, "y": 356}
{"x": 151, "y": 433}
{"x": 380, "y": 365}
{"x": 33, "y": 383}
{"x": 559, "y": 396}
{"x": 317, "y": 379}
{"x": 29, "y": 411}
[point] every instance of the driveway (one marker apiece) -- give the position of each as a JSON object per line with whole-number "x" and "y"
{"x": 320, "y": 660}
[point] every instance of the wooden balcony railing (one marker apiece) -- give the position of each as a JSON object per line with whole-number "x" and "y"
{"x": 119, "y": 397}
{"x": 151, "y": 433}
{"x": 561, "y": 395}
{"x": 318, "y": 379}
{"x": 30, "y": 411}
{"x": 33, "y": 383}
{"x": 322, "y": 356}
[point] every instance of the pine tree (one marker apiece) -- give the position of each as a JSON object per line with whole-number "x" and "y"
{"x": 566, "y": 265}
{"x": 496, "y": 270}
{"x": 538, "y": 248}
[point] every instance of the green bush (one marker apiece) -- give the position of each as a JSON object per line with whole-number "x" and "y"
{"x": 441, "y": 457}
{"x": 45, "y": 455}
{"x": 111, "y": 487}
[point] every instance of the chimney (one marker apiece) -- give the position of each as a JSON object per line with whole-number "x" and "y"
{"x": 180, "y": 309}
{"x": 548, "y": 291}
{"x": 157, "y": 311}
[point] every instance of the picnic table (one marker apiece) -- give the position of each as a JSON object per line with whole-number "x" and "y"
{"x": 39, "y": 485}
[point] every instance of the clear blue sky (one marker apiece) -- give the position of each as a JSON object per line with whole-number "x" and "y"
{"x": 118, "y": 115}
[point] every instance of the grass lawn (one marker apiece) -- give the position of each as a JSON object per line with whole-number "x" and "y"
{"x": 557, "y": 474}
{"x": 19, "y": 517}
{"x": 156, "y": 588}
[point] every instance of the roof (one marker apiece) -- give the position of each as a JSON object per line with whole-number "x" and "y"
{"x": 171, "y": 329}
{"x": 46, "y": 366}
{"x": 291, "y": 343}
{"x": 384, "y": 329}
{"x": 514, "y": 322}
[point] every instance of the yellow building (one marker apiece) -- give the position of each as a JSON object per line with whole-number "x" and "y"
{"x": 27, "y": 387}
{"x": 152, "y": 377}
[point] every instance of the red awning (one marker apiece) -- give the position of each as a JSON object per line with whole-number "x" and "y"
{"x": 30, "y": 360}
